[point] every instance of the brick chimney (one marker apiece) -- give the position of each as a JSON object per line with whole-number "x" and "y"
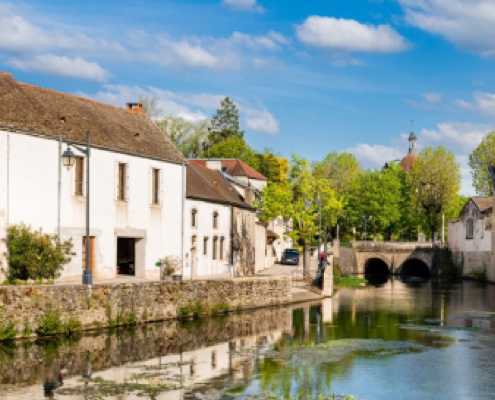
{"x": 249, "y": 194}
{"x": 135, "y": 108}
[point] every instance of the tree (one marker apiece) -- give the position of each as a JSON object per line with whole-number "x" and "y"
{"x": 480, "y": 159}
{"x": 188, "y": 137}
{"x": 150, "y": 106}
{"x": 339, "y": 169}
{"x": 377, "y": 194}
{"x": 235, "y": 147}
{"x": 225, "y": 123}
{"x": 435, "y": 180}
{"x": 273, "y": 167}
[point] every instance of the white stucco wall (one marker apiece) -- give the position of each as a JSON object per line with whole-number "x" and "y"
{"x": 29, "y": 168}
{"x": 197, "y": 263}
{"x": 283, "y": 241}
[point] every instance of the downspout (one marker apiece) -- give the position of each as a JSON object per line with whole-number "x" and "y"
{"x": 232, "y": 239}
{"x": 183, "y": 217}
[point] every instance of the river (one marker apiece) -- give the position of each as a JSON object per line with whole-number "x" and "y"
{"x": 396, "y": 341}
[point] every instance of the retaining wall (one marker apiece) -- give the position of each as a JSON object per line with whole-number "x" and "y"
{"x": 99, "y": 306}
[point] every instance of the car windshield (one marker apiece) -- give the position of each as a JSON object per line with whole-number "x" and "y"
{"x": 291, "y": 251}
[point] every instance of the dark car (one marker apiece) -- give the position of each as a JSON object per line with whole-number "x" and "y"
{"x": 290, "y": 256}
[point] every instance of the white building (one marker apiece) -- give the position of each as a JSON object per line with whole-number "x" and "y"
{"x": 470, "y": 236}
{"x": 137, "y": 179}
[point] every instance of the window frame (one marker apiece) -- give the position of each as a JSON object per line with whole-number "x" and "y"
{"x": 470, "y": 228}
{"x": 155, "y": 186}
{"x": 79, "y": 173}
{"x": 205, "y": 245}
{"x": 220, "y": 252}
{"x": 122, "y": 182}
{"x": 214, "y": 248}
{"x": 215, "y": 220}
{"x": 194, "y": 220}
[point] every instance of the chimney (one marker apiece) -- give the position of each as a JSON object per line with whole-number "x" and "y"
{"x": 135, "y": 108}
{"x": 249, "y": 195}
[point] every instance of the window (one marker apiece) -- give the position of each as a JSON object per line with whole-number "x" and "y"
{"x": 122, "y": 195}
{"x": 79, "y": 179}
{"x": 205, "y": 246}
{"x": 193, "y": 241}
{"x": 222, "y": 239}
{"x": 469, "y": 229}
{"x": 155, "y": 186}
{"x": 193, "y": 217}
{"x": 215, "y": 220}
{"x": 214, "y": 247}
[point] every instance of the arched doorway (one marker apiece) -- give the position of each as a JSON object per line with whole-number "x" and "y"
{"x": 414, "y": 271}
{"x": 376, "y": 271}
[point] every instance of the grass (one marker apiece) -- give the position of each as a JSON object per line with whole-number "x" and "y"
{"x": 350, "y": 281}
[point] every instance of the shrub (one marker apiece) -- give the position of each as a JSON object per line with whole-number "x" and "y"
{"x": 8, "y": 330}
{"x": 34, "y": 254}
{"x": 50, "y": 324}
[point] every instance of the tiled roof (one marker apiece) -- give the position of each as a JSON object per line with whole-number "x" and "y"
{"x": 36, "y": 109}
{"x": 408, "y": 161}
{"x": 206, "y": 184}
{"x": 483, "y": 203}
{"x": 234, "y": 167}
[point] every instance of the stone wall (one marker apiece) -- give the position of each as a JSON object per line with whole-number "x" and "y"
{"x": 347, "y": 261}
{"x": 98, "y": 306}
{"x": 472, "y": 261}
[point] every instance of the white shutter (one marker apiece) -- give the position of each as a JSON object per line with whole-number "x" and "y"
{"x": 127, "y": 182}
{"x": 161, "y": 186}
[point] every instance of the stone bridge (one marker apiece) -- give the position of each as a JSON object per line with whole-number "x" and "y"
{"x": 405, "y": 258}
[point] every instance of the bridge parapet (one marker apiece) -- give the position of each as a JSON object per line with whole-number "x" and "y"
{"x": 392, "y": 247}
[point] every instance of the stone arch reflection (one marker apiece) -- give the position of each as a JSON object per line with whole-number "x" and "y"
{"x": 376, "y": 271}
{"x": 414, "y": 271}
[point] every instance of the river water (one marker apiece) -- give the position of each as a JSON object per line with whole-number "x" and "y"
{"x": 397, "y": 341}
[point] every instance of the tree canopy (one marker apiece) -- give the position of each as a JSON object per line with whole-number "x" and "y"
{"x": 480, "y": 159}
{"x": 225, "y": 123}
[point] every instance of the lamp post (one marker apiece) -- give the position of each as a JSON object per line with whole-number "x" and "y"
{"x": 365, "y": 220}
{"x": 215, "y": 127}
{"x": 68, "y": 160}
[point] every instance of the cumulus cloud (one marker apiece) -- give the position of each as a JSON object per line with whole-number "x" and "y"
{"x": 261, "y": 120}
{"x": 432, "y": 97}
{"x": 244, "y": 5}
{"x": 429, "y": 101}
{"x": 62, "y": 66}
{"x": 484, "y": 103}
{"x": 466, "y": 23}
{"x": 337, "y": 34}
{"x": 375, "y": 155}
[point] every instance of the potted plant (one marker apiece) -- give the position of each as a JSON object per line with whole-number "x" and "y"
{"x": 171, "y": 268}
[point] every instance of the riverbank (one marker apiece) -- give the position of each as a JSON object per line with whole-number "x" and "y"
{"x": 27, "y": 311}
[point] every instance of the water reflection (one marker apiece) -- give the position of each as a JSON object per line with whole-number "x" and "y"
{"x": 354, "y": 343}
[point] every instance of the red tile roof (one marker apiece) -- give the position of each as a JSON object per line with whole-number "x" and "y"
{"x": 233, "y": 167}
{"x": 484, "y": 203}
{"x": 40, "y": 110}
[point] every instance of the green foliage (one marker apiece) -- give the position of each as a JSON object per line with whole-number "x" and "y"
{"x": 193, "y": 309}
{"x": 150, "y": 106}
{"x": 339, "y": 169}
{"x": 448, "y": 268}
{"x": 34, "y": 254}
{"x": 478, "y": 274}
{"x": 350, "y": 281}
{"x": 8, "y": 330}
{"x": 225, "y": 123}
{"x": 480, "y": 159}
{"x": 28, "y": 330}
{"x": 435, "y": 180}
{"x": 235, "y": 147}
{"x": 222, "y": 307}
{"x": 131, "y": 319}
{"x": 50, "y": 324}
{"x": 337, "y": 274}
{"x": 273, "y": 167}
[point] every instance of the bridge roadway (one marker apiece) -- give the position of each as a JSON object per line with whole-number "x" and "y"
{"x": 405, "y": 258}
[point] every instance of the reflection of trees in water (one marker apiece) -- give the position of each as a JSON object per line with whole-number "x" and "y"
{"x": 36, "y": 362}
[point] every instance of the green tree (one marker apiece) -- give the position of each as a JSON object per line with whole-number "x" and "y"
{"x": 273, "y": 167}
{"x": 435, "y": 180}
{"x": 339, "y": 169}
{"x": 235, "y": 147}
{"x": 480, "y": 159}
{"x": 188, "y": 137}
{"x": 225, "y": 123}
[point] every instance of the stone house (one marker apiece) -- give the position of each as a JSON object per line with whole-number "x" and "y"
{"x": 137, "y": 179}
{"x": 220, "y": 226}
{"x": 470, "y": 236}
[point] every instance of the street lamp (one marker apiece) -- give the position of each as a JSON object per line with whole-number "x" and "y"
{"x": 215, "y": 127}
{"x": 68, "y": 160}
{"x": 365, "y": 220}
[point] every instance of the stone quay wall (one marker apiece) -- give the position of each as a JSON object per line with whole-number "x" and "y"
{"x": 107, "y": 305}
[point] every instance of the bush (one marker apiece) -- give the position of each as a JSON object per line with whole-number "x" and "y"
{"x": 34, "y": 254}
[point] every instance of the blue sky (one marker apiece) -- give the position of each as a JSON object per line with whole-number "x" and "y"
{"x": 309, "y": 77}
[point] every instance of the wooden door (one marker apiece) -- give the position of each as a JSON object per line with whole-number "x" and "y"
{"x": 91, "y": 253}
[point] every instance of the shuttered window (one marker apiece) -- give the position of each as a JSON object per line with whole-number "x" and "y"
{"x": 79, "y": 176}
{"x": 155, "y": 186}
{"x": 122, "y": 181}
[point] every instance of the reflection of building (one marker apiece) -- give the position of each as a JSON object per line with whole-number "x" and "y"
{"x": 408, "y": 161}
{"x": 470, "y": 235}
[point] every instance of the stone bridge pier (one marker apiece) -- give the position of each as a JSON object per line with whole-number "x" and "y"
{"x": 381, "y": 258}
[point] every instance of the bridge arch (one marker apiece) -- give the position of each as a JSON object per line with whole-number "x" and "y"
{"x": 376, "y": 271}
{"x": 414, "y": 267}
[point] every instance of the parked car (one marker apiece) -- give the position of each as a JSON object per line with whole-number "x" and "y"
{"x": 290, "y": 256}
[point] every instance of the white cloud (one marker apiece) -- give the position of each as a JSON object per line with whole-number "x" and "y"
{"x": 270, "y": 41}
{"x": 484, "y": 103}
{"x": 466, "y": 23}
{"x": 375, "y": 155}
{"x": 432, "y": 97}
{"x": 261, "y": 120}
{"x": 349, "y": 35}
{"x": 244, "y": 5}
{"x": 62, "y": 66}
